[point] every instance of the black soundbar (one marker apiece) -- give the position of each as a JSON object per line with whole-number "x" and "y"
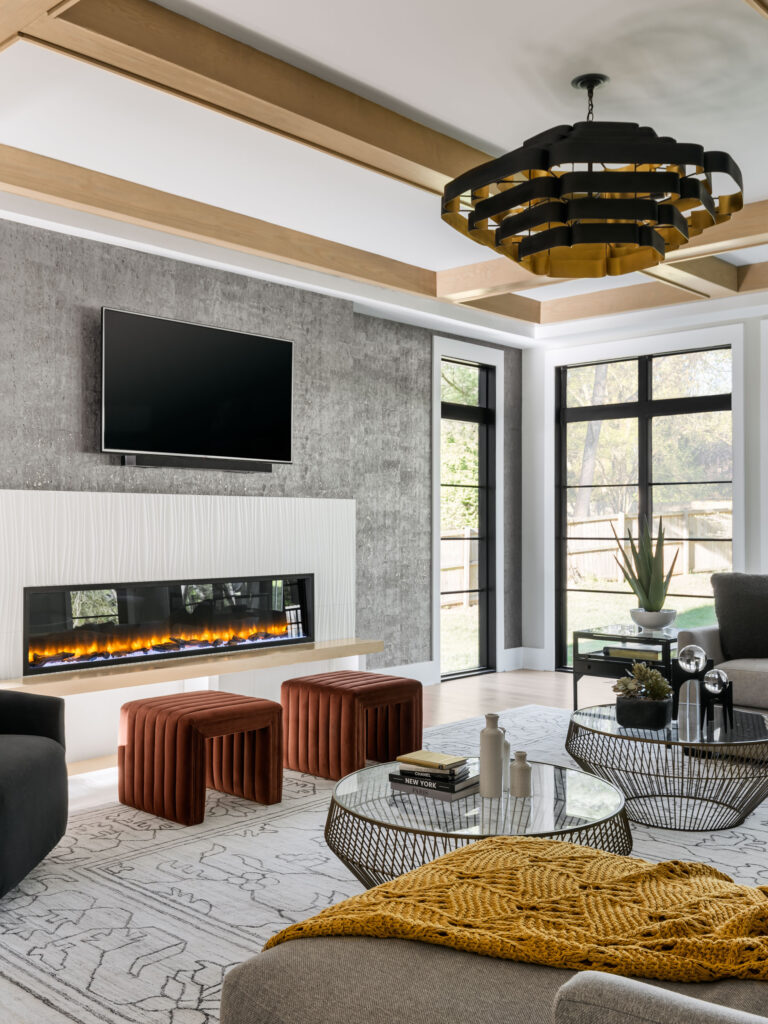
{"x": 191, "y": 462}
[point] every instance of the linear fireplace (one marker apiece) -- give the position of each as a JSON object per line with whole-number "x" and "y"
{"x": 126, "y": 623}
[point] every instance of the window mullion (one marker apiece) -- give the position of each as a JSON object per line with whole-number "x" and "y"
{"x": 644, "y": 506}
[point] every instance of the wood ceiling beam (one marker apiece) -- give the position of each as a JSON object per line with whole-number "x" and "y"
{"x": 519, "y": 307}
{"x": 746, "y": 228}
{"x": 497, "y": 276}
{"x": 78, "y": 188}
{"x": 707, "y": 277}
{"x": 16, "y": 15}
{"x": 612, "y": 301}
{"x": 159, "y": 48}
{"x": 753, "y": 278}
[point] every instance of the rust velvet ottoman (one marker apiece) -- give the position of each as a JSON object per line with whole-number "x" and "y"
{"x": 333, "y": 721}
{"x": 172, "y": 748}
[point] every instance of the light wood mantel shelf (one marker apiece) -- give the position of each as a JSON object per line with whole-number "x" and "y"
{"x": 116, "y": 677}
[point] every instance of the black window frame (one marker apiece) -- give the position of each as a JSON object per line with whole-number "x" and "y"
{"x": 484, "y": 414}
{"x": 643, "y": 410}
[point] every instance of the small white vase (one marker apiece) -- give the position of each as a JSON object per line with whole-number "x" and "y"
{"x": 520, "y": 775}
{"x": 653, "y": 620}
{"x": 491, "y": 746}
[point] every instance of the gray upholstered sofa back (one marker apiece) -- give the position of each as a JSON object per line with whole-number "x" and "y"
{"x": 741, "y": 605}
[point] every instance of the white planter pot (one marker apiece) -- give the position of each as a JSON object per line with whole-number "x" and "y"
{"x": 653, "y": 620}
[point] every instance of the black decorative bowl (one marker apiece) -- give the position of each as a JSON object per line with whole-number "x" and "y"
{"x": 633, "y": 713}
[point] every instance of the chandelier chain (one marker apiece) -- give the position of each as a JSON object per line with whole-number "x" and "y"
{"x": 590, "y": 104}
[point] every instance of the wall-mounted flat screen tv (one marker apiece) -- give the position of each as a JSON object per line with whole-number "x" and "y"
{"x": 174, "y": 388}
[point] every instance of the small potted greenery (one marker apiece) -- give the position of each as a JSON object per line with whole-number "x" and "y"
{"x": 644, "y": 698}
{"x": 644, "y": 572}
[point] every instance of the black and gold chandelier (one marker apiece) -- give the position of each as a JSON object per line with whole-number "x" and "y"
{"x": 592, "y": 198}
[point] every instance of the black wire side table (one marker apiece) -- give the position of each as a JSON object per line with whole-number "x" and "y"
{"x": 688, "y": 776}
{"x": 380, "y": 834}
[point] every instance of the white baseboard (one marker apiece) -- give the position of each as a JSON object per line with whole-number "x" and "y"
{"x": 511, "y": 659}
{"x": 538, "y": 659}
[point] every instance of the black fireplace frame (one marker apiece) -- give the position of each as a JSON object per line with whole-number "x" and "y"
{"x": 308, "y": 579}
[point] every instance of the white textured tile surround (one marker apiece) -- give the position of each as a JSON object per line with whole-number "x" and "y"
{"x": 57, "y": 537}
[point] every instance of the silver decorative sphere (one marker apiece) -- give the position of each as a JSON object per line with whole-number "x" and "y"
{"x": 692, "y": 659}
{"x": 715, "y": 681}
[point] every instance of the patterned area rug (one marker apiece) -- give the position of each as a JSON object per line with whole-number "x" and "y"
{"x": 135, "y": 920}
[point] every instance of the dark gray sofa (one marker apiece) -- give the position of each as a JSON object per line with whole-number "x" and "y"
{"x": 738, "y": 644}
{"x": 355, "y": 980}
{"x": 33, "y": 782}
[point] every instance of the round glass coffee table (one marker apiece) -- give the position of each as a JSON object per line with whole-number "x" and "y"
{"x": 379, "y": 833}
{"x": 688, "y": 776}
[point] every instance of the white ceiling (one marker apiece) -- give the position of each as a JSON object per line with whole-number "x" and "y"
{"x": 498, "y": 72}
{"x": 73, "y": 111}
{"x": 694, "y": 69}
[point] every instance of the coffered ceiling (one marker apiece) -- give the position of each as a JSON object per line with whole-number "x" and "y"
{"x": 320, "y": 137}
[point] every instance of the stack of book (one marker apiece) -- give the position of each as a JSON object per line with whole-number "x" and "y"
{"x": 440, "y": 776}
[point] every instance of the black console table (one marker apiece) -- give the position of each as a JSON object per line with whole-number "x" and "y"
{"x": 610, "y": 650}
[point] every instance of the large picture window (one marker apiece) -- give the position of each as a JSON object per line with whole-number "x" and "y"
{"x": 466, "y": 518}
{"x": 637, "y": 438}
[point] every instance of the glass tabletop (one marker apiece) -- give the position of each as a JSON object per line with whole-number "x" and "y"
{"x": 562, "y": 799}
{"x": 629, "y": 632}
{"x": 748, "y": 726}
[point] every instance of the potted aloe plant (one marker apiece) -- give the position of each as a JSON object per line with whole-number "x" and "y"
{"x": 644, "y": 572}
{"x": 644, "y": 698}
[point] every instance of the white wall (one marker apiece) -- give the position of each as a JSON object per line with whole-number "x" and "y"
{"x": 748, "y": 338}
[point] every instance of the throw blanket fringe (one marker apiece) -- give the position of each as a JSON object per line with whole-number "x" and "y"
{"x": 547, "y": 902}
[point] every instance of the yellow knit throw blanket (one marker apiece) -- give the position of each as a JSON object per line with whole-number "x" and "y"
{"x": 548, "y": 902}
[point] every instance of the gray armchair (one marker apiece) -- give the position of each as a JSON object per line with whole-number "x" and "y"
{"x": 594, "y": 998}
{"x": 739, "y": 642}
{"x": 33, "y": 782}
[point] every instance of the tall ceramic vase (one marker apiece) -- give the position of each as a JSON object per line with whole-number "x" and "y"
{"x": 491, "y": 747}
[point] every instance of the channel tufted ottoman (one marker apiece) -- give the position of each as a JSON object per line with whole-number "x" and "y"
{"x": 171, "y": 748}
{"x": 333, "y": 721}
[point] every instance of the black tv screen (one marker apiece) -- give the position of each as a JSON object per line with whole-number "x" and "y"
{"x": 173, "y": 388}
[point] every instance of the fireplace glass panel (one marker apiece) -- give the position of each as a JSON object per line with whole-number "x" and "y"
{"x": 75, "y": 627}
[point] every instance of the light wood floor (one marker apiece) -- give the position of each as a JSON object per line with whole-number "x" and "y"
{"x": 457, "y": 699}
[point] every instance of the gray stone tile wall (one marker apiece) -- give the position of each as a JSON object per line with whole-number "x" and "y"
{"x": 362, "y": 410}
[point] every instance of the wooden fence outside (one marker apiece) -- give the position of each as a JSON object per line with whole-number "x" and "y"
{"x": 695, "y": 533}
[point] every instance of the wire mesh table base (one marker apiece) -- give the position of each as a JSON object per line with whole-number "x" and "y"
{"x": 377, "y": 849}
{"x": 691, "y": 785}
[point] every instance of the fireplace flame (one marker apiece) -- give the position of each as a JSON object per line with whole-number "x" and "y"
{"x": 106, "y": 647}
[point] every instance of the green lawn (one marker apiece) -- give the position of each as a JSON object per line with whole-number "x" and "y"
{"x": 459, "y": 647}
{"x": 459, "y": 644}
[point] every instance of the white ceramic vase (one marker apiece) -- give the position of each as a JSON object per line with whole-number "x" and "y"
{"x": 491, "y": 752}
{"x": 520, "y": 775}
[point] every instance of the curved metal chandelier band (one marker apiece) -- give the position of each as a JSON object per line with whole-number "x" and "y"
{"x": 593, "y": 198}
